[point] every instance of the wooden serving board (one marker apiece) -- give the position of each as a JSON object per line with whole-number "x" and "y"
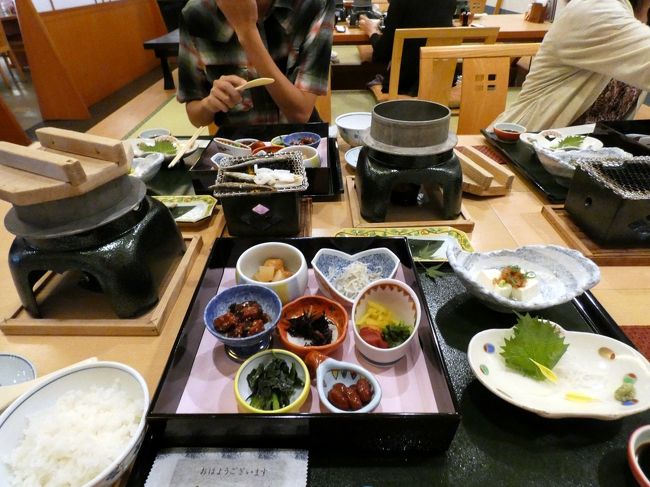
{"x": 483, "y": 176}
{"x": 577, "y": 239}
{"x": 72, "y": 310}
{"x": 405, "y": 216}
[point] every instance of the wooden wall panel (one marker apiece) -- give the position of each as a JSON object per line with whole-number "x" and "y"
{"x": 98, "y": 48}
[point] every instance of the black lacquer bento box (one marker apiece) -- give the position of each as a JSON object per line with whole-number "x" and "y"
{"x": 185, "y": 410}
{"x": 325, "y": 181}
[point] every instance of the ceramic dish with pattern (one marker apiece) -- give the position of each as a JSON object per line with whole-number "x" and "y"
{"x": 427, "y": 244}
{"x": 558, "y": 275}
{"x": 351, "y": 126}
{"x": 588, "y": 374}
{"x": 331, "y": 372}
{"x": 563, "y": 163}
{"x": 342, "y": 276}
{"x": 189, "y": 209}
{"x": 352, "y": 156}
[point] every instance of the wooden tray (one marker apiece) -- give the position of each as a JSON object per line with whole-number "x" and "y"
{"x": 577, "y": 239}
{"x": 483, "y": 176}
{"x": 405, "y": 216}
{"x": 70, "y": 310}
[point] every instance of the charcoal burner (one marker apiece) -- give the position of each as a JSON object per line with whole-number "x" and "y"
{"x": 610, "y": 201}
{"x": 124, "y": 249}
{"x": 408, "y": 144}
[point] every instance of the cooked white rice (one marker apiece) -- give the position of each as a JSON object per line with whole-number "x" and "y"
{"x": 71, "y": 442}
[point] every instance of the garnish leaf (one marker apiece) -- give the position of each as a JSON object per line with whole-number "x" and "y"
{"x": 434, "y": 271}
{"x": 570, "y": 142}
{"x": 534, "y": 342}
{"x": 162, "y": 146}
{"x": 424, "y": 250}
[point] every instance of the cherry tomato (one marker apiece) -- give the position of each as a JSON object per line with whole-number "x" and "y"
{"x": 373, "y": 337}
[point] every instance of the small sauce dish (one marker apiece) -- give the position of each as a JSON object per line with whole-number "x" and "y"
{"x": 15, "y": 369}
{"x": 508, "y": 132}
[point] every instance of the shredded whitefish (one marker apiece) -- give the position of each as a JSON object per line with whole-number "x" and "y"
{"x": 71, "y": 442}
{"x": 354, "y": 278}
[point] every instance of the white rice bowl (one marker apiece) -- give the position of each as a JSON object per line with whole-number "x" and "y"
{"x": 81, "y": 427}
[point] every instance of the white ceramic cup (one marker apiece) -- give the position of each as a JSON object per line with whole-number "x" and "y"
{"x": 638, "y": 447}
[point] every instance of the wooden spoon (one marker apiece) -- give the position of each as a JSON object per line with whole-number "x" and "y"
{"x": 255, "y": 83}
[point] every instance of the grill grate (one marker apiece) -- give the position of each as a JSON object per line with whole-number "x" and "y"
{"x": 630, "y": 179}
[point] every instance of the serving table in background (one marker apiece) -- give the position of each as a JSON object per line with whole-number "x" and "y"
{"x": 495, "y": 442}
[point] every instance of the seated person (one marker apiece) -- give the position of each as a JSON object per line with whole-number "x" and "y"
{"x": 404, "y": 14}
{"x": 592, "y": 65}
{"x": 224, "y": 43}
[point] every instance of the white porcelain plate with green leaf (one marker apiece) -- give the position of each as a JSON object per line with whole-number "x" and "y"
{"x": 427, "y": 244}
{"x": 589, "y": 374}
{"x": 189, "y": 209}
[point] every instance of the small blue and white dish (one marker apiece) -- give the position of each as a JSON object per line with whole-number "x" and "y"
{"x": 15, "y": 369}
{"x": 239, "y": 349}
{"x": 329, "y": 265}
{"x": 561, "y": 273}
{"x": 302, "y": 138}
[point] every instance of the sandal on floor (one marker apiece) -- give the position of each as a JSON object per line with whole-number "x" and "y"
{"x": 377, "y": 80}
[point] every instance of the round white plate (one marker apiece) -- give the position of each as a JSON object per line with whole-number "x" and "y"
{"x": 15, "y": 369}
{"x": 593, "y": 366}
{"x": 352, "y": 155}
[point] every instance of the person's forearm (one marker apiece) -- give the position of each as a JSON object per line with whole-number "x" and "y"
{"x": 198, "y": 114}
{"x": 296, "y": 105}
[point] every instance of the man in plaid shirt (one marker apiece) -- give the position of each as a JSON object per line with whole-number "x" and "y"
{"x": 224, "y": 43}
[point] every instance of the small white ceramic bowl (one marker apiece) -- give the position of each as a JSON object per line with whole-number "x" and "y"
{"x": 352, "y": 125}
{"x": 639, "y": 440}
{"x": 329, "y": 264}
{"x": 402, "y": 301}
{"x": 15, "y": 369}
{"x": 310, "y": 157}
{"x": 562, "y": 274}
{"x": 243, "y": 391}
{"x": 141, "y": 146}
{"x": 352, "y": 156}
{"x": 153, "y": 133}
{"x": 332, "y": 371}
{"x": 287, "y": 289}
{"x": 81, "y": 378}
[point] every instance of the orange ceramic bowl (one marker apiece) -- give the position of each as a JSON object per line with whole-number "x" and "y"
{"x": 317, "y": 305}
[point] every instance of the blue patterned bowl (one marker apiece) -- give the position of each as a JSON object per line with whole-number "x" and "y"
{"x": 330, "y": 264}
{"x": 562, "y": 274}
{"x": 240, "y": 349}
{"x": 302, "y": 138}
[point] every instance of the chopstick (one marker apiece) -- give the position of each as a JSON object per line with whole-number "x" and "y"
{"x": 187, "y": 145}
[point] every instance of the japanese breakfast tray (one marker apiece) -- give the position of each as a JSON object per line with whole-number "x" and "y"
{"x": 428, "y": 425}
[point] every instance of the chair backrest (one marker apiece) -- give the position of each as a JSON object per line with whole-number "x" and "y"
{"x": 476, "y": 6}
{"x": 436, "y": 36}
{"x": 4, "y": 43}
{"x": 486, "y": 72}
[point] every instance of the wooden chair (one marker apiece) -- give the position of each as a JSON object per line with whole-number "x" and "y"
{"x": 10, "y": 58}
{"x": 476, "y": 6}
{"x": 436, "y": 36}
{"x": 497, "y": 7}
{"x": 10, "y": 129}
{"x": 486, "y": 70}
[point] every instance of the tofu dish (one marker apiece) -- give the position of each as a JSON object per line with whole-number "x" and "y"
{"x": 510, "y": 282}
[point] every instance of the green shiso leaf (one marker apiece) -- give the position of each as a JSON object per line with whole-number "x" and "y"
{"x": 162, "y": 146}
{"x": 570, "y": 142}
{"x": 533, "y": 339}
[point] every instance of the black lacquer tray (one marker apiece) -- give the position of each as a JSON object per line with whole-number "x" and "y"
{"x": 325, "y": 182}
{"x": 496, "y": 443}
{"x": 523, "y": 157}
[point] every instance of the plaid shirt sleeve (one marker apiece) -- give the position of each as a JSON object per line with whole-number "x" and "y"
{"x": 314, "y": 58}
{"x": 193, "y": 83}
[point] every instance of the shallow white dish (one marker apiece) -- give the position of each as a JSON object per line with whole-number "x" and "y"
{"x": 352, "y": 156}
{"x": 549, "y": 139}
{"x": 177, "y": 143}
{"x": 593, "y": 366}
{"x": 15, "y": 369}
{"x": 44, "y": 395}
{"x": 328, "y": 264}
{"x": 562, "y": 274}
{"x": 153, "y": 133}
{"x": 563, "y": 163}
{"x": 147, "y": 166}
{"x": 190, "y": 209}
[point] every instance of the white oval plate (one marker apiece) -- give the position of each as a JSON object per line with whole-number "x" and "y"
{"x": 593, "y": 365}
{"x": 352, "y": 156}
{"x": 539, "y": 141}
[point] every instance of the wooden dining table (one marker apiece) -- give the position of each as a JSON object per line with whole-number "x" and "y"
{"x": 512, "y": 28}
{"x": 508, "y": 221}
